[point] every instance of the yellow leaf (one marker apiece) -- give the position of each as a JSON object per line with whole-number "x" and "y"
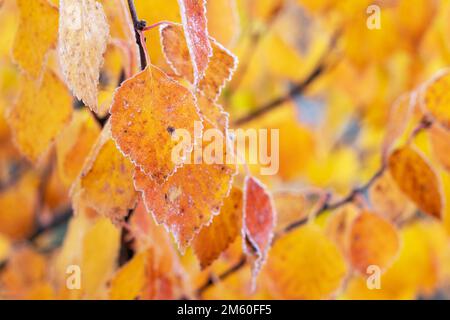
{"x": 48, "y": 103}
{"x": 304, "y": 264}
{"x": 215, "y": 238}
{"x": 38, "y": 30}
{"x": 74, "y": 143}
{"x": 436, "y": 98}
{"x": 100, "y": 250}
{"x": 223, "y": 20}
{"x": 129, "y": 280}
{"x": 106, "y": 181}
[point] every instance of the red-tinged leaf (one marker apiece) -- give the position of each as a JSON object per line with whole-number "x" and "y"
{"x": 258, "y": 221}
{"x": 193, "y": 16}
{"x": 188, "y": 200}
{"x": 176, "y": 52}
{"x": 146, "y": 111}
{"x": 220, "y": 68}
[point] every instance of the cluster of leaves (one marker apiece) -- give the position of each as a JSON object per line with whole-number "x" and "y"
{"x": 91, "y": 97}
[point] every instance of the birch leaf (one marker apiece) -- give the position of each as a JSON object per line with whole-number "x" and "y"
{"x": 83, "y": 37}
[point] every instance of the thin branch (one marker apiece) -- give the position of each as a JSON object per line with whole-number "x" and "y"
{"x": 298, "y": 88}
{"x": 139, "y": 26}
{"x": 294, "y": 91}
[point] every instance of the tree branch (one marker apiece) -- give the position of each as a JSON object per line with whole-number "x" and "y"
{"x": 298, "y": 88}
{"x": 294, "y": 91}
{"x": 139, "y": 26}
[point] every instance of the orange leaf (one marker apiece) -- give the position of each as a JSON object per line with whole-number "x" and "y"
{"x": 187, "y": 200}
{"x": 146, "y": 111}
{"x": 220, "y": 68}
{"x": 17, "y": 207}
{"x": 193, "y": 16}
{"x": 215, "y": 238}
{"x": 258, "y": 221}
{"x": 389, "y": 201}
{"x": 417, "y": 180}
{"x": 373, "y": 241}
{"x": 436, "y": 98}
{"x": 440, "y": 140}
{"x": 26, "y": 118}
{"x": 38, "y": 30}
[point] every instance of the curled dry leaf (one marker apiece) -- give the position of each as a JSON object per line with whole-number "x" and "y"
{"x": 37, "y": 33}
{"x": 436, "y": 98}
{"x": 417, "y": 180}
{"x": 258, "y": 222}
{"x": 440, "y": 141}
{"x": 195, "y": 25}
{"x": 305, "y": 264}
{"x": 220, "y": 68}
{"x": 373, "y": 241}
{"x": 224, "y": 229}
{"x": 26, "y": 118}
{"x": 106, "y": 181}
{"x": 146, "y": 112}
{"x": 83, "y": 38}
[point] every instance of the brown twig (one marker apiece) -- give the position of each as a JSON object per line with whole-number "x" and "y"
{"x": 294, "y": 91}
{"x": 297, "y": 89}
{"x": 139, "y": 26}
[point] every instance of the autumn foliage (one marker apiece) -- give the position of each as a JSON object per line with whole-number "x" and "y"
{"x": 93, "y": 204}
